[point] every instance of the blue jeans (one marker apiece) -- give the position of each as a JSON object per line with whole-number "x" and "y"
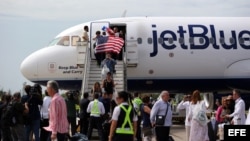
{"x": 34, "y": 126}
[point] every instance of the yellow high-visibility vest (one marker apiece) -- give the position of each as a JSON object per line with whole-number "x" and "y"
{"x": 95, "y": 109}
{"x": 124, "y": 130}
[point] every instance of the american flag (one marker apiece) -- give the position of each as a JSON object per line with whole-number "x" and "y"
{"x": 112, "y": 44}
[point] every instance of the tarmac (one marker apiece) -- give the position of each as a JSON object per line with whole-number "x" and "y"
{"x": 177, "y": 131}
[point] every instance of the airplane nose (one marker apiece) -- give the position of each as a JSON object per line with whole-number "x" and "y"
{"x": 29, "y": 67}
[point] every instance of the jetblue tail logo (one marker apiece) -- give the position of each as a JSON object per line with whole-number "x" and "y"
{"x": 200, "y": 32}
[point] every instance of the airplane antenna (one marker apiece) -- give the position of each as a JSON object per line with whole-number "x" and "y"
{"x": 124, "y": 13}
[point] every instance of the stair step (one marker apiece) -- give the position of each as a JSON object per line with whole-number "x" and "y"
{"x": 94, "y": 75}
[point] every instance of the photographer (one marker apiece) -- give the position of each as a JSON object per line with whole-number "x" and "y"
{"x": 71, "y": 101}
{"x": 33, "y": 117}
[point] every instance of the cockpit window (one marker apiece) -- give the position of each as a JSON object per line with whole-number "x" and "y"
{"x": 54, "y": 42}
{"x": 63, "y": 41}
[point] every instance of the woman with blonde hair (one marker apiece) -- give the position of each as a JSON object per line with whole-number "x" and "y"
{"x": 198, "y": 130}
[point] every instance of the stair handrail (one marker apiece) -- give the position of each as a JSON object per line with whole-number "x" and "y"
{"x": 86, "y": 64}
{"x": 125, "y": 68}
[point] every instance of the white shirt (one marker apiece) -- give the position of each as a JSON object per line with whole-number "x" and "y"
{"x": 193, "y": 107}
{"x": 85, "y": 34}
{"x": 45, "y": 107}
{"x": 239, "y": 117}
{"x": 185, "y": 105}
{"x": 100, "y": 107}
{"x": 117, "y": 111}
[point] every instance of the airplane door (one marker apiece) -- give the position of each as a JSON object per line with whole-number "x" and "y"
{"x": 95, "y": 26}
{"x": 131, "y": 45}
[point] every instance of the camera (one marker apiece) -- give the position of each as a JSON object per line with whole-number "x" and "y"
{"x": 35, "y": 92}
{"x": 72, "y": 95}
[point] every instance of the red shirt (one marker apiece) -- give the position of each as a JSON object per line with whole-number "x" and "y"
{"x": 58, "y": 122}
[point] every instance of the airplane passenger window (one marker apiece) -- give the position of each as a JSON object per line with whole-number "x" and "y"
{"x": 211, "y": 40}
{"x": 170, "y": 40}
{"x": 139, "y": 40}
{"x": 150, "y": 40}
{"x": 191, "y": 40}
{"x": 64, "y": 41}
{"x": 222, "y": 40}
{"x": 160, "y": 40}
{"x": 75, "y": 40}
{"x": 241, "y": 40}
{"x": 181, "y": 40}
{"x": 231, "y": 40}
{"x": 201, "y": 40}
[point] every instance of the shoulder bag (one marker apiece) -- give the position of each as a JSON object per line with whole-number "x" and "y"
{"x": 200, "y": 115}
{"x": 160, "y": 119}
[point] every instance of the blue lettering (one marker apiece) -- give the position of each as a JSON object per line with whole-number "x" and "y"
{"x": 181, "y": 32}
{"x": 241, "y": 36}
{"x": 214, "y": 37}
{"x": 155, "y": 45}
{"x": 233, "y": 45}
{"x": 173, "y": 36}
{"x": 198, "y": 35}
{"x": 204, "y": 34}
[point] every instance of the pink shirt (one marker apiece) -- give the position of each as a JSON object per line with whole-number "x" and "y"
{"x": 218, "y": 113}
{"x": 58, "y": 122}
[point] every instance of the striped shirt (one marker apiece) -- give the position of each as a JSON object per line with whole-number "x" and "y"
{"x": 58, "y": 122}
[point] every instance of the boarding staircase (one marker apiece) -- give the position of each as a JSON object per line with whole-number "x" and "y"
{"x": 92, "y": 71}
{"x": 94, "y": 75}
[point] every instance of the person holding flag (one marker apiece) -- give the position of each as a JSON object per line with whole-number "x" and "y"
{"x": 112, "y": 44}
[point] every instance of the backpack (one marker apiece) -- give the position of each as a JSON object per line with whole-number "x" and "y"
{"x": 9, "y": 117}
{"x": 79, "y": 137}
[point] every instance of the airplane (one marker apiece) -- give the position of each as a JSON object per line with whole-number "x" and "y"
{"x": 179, "y": 54}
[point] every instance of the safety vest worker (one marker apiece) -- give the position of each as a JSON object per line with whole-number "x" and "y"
{"x": 137, "y": 104}
{"x": 124, "y": 124}
{"x": 96, "y": 110}
{"x": 124, "y": 119}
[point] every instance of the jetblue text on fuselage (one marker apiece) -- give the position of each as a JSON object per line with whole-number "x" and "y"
{"x": 206, "y": 34}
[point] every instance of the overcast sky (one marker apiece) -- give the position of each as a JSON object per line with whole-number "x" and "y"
{"x": 28, "y": 25}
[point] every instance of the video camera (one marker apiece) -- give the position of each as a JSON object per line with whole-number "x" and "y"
{"x": 72, "y": 95}
{"x": 36, "y": 91}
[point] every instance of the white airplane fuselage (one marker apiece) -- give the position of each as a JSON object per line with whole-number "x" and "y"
{"x": 174, "y": 53}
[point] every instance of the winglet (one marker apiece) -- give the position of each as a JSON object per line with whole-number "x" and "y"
{"x": 124, "y": 13}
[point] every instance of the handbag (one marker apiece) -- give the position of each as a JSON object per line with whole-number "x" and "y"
{"x": 105, "y": 70}
{"x": 160, "y": 119}
{"x": 200, "y": 115}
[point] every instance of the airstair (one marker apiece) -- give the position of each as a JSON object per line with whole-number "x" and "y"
{"x": 94, "y": 75}
{"x": 92, "y": 71}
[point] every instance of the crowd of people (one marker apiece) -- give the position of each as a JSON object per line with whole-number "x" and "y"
{"x": 126, "y": 117}
{"x": 231, "y": 111}
{"x": 51, "y": 116}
